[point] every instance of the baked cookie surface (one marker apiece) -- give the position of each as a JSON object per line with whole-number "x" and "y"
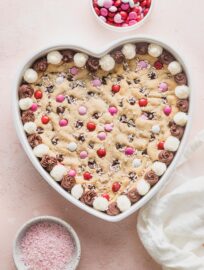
{"x": 105, "y": 129}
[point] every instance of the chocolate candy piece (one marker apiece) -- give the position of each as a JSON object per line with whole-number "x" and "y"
{"x": 133, "y": 195}
{"x": 166, "y": 156}
{"x": 166, "y": 57}
{"x": 142, "y": 48}
{"x": 25, "y": 91}
{"x": 48, "y": 162}
{"x": 40, "y": 65}
{"x": 113, "y": 210}
{"x": 88, "y": 197}
{"x": 183, "y": 105}
{"x": 92, "y": 64}
{"x": 34, "y": 140}
{"x": 68, "y": 55}
{"x": 180, "y": 78}
{"x": 68, "y": 182}
{"x": 118, "y": 56}
{"x": 27, "y": 116}
{"x": 151, "y": 177}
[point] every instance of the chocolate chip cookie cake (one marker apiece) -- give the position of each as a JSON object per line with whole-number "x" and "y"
{"x": 105, "y": 129}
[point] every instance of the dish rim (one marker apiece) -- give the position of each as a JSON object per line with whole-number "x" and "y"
{"x": 99, "y": 53}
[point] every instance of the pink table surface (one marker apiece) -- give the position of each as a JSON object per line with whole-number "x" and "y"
{"x": 27, "y": 26}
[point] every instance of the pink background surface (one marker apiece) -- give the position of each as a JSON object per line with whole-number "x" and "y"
{"x": 27, "y": 26}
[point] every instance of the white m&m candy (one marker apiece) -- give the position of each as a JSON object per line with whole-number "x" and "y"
{"x": 142, "y": 187}
{"x": 123, "y": 203}
{"x": 182, "y": 91}
{"x": 72, "y": 146}
{"x": 159, "y": 168}
{"x": 30, "y": 75}
{"x": 171, "y": 144}
{"x": 129, "y": 51}
{"x": 58, "y": 172}
{"x": 180, "y": 118}
{"x": 77, "y": 191}
{"x": 174, "y": 68}
{"x": 54, "y": 57}
{"x": 100, "y": 204}
{"x": 30, "y": 127}
{"x": 40, "y": 150}
{"x": 107, "y": 62}
{"x": 80, "y": 59}
{"x": 25, "y": 103}
{"x": 155, "y": 50}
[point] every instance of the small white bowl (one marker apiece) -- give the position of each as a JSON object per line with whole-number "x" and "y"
{"x": 122, "y": 29}
{"x": 72, "y": 265}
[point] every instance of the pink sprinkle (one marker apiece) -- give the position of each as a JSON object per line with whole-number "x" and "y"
{"x": 96, "y": 82}
{"x": 74, "y": 70}
{"x": 129, "y": 151}
{"x": 46, "y": 246}
{"x": 63, "y": 122}
{"x": 34, "y": 107}
{"x": 72, "y": 173}
{"x": 60, "y": 98}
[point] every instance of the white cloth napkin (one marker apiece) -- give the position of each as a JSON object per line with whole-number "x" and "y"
{"x": 171, "y": 225}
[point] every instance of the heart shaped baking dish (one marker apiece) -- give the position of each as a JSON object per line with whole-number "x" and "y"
{"x": 114, "y": 200}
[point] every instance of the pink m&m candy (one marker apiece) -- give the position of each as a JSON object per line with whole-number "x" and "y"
{"x": 112, "y": 110}
{"x": 101, "y": 136}
{"x": 142, "y": 64}
{"x": 132, "y": 15}
{"x": 118, "y": 18}
{"x": 108, "y": 127}
{"x": 34, "y": 107}
{"x": 129, "y": 151}
{"x": 104, "y": 12}
{"x": 83, "y": 155}
{"x": 163, "y": 87}
{"x": 107, "y": 3}
{"x": 132, "y": 22}
{"x": 167, "y": 110}
{"x": 96, "y": 82}
{"x": 82, "y": 110}
{"x": 60, "y": 98}
{"x": 63, "y": 122}
{"x": 74, "y": 70}
{"x": 72, "y": 173}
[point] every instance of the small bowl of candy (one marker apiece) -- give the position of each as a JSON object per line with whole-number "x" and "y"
{"x": 46, "y": 242}
{"x": 121, "y": 15}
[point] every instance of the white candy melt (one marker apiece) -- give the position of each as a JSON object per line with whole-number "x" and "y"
{"x": 136, "y": 163}
{"x": 180, "y": 118}
{"x": 123, "y": 203}
{"x": 100, "y": 204}
{"x": 174, "y": 67}
{"x": 143, "y": 187}
{"x": 159, "y": 168}
{"x": 156, "y": 129}
{"x": 40, "y": 150}
{"x": 80, "y": 59}
{"x": 30, "y": 75}
{"x": 107, "y": 62}
{"x": 54, "y": 57}
{"x": 129, "y": 51}
{"x": 77, "y": 191}
{"x": 58, "y": 172}
{"x": 182, "y": 91}
{"x": 30, "y": 127}
{"x": 72, "y": 146}
{"x": 171, "y": 144}
{"x": 155, "y": 50}
{"x": 25, "y": 103}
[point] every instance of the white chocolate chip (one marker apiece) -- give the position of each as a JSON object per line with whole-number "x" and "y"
{"x": 180, "y": 118}
{"x": 129, "y": 51}
{"x": 100, "y": 204}
{"x": 40, "y": 150}
{"x": 25, "y": 103}
{"x": 77, "y": 191}
{"x": 30, "y": 127}
{"x": 136, "y": 163}
{"x": 54, "y": 57}
{"x": 30, "y": 75}
{"x": 156, "y": 129}
{"x": 159, "y": 167}
{"x": 182, "y": 91}
{"x": 58, "y": 172}
{"x": 174, "y": 67}
{"x": 155, "y": 50}
{"x": 123, "y": 203}
{"x": 142, "y": 187}
{"x": 107, "y": 62}
{"x": 171, "y": 144}
{"x": 80, "y": 59}
{"x": 72, "y": 146}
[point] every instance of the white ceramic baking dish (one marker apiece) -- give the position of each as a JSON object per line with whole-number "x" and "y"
{"x": 47, "y": 177}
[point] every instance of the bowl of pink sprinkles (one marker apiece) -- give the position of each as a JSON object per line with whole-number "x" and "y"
{"x": 46, "y": 243}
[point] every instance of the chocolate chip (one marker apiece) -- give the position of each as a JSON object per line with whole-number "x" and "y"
{"x": 54, "y": 140}
{"x": 119, "y": 146}
{"x": 144, "y": 152}
{"x": 118, "y": 56}
{"x": 115, "y": 166}
{"x": 136, "y": 81}
{"x": 96, "y": 115}
{"x": 91, "y": 94}
{"x": 70, "y": 78}
{"x": 81, "y": 138}
{"x": 131, "y": 123}
{"x": 40, "y": 130}
{"x": 60, "y": 157}
{"x": 132, "y": 176}
{"x": 119, "y": 78}
{"x": 99, "y": 171}
{"x": 131, "y": 137}
{"x": 132, "y": 101}
{"x": 79, "y": 124}
{"x": 60, "y": 110}
{"x": 70, "y": 99}
{"x": 91, "y": 145}
{"x": 142, "y": 48}
{"x": 150, "y": 115}
{"x": 92, "y": 164}
{"x": 92, "y": 64}
{"x": 123, "y": 118}
{"x": 49, "y": 108}
{"x": 152, "y": 75}
{"x": 103, "y": 80}
{"x": 41, "y": 64}
{"x": 68, "y": 55}
{"x": 120, "y": 104}
{"x": 50, "y": 89}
